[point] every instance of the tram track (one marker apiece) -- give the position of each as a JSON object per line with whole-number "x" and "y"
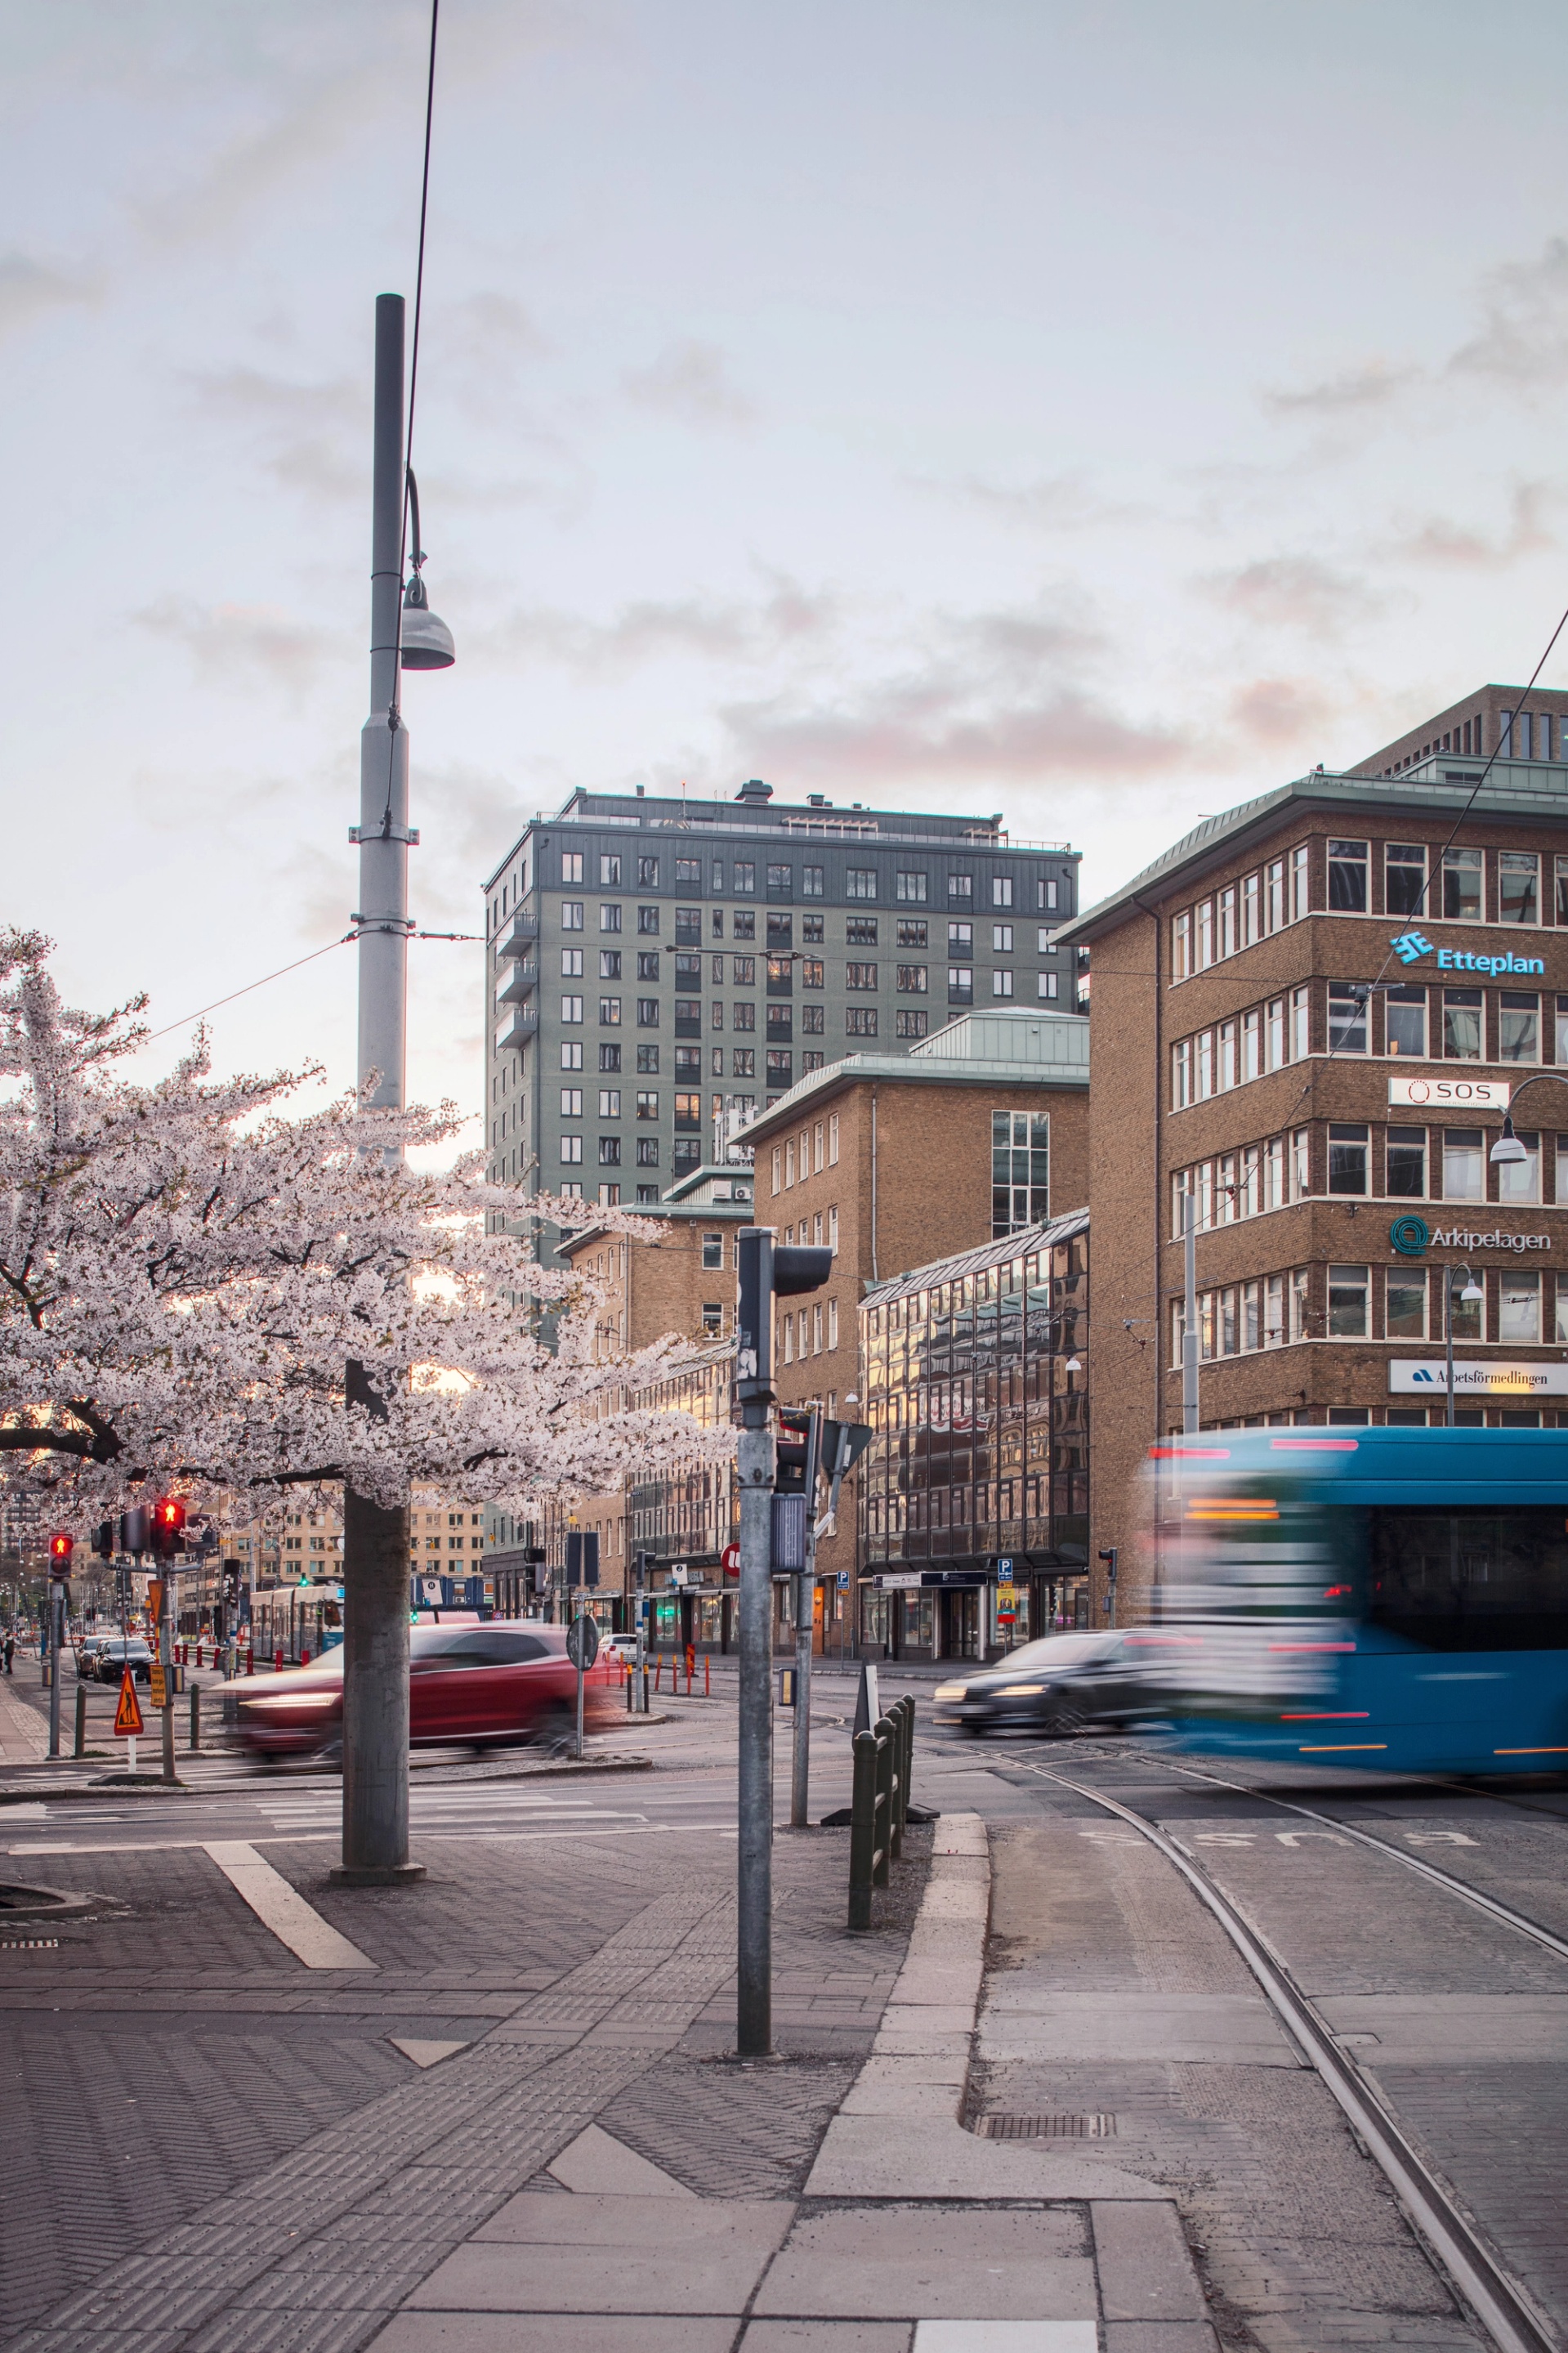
{"x": 1504, "y": 2308}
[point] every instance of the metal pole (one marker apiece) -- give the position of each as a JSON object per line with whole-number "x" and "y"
{"x": 166, "y": 1658}
{"x": 753, "y": 1984}
{"x": 375, "y": 1536}
{"x": 1190, "y": 1313}
{"x": 804, "y": 1627}
{"x": 1448, "y": 1332}
{"x": 639, "y": 1671}
{"x": 57, "y": 1644}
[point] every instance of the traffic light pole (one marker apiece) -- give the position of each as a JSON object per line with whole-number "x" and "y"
{"x": 754, "y": 1994}
{"x": 57, "y": 1644}
{"x": 804, "y": 1627}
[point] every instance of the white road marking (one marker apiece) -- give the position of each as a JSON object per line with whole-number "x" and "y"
{"x": 282, "y": 1909}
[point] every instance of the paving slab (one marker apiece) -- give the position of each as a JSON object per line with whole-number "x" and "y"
{"x": 1145, "y": 2265}
{"x": 1224, "y": 2029}
{"x": 1006, "y": 2336}
{"x": 929, "y": 2262}
{"x": 510, "y": 2332}
{"x": 828, "y": 2336}
{"x": 1432, "y": 2029}
{"x": 596, "y": 2162}
{"x": 705, "y": 2256}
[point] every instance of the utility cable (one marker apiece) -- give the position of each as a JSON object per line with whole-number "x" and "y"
{"x": 347, "y": 939}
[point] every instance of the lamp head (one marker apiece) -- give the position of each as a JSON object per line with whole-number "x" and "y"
{"x": 1073, "y": 1364}
{"x": 1472, "y": 1291}
{"x": 1507, "y": 1151}
{"x": 425, "y": 640}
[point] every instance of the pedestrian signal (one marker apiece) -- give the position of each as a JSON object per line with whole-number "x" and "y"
{"x": 128, "y": 1715}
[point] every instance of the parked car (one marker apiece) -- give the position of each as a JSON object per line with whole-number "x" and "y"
{"x": 470, "y": 1685}
{"x": 622, "y": 1647}
{"x": 87, "y": 1652}
{"x": 119, "y": 1653}
{"x": 1055, "y": 1686}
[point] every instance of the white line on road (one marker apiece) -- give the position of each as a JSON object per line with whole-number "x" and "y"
{"x": 282, "y": 1909}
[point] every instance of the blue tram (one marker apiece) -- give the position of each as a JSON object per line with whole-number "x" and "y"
{"x": 1386, "y": 1599}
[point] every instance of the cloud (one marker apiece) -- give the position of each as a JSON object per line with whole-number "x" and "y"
{"x": 657, "y": 629}
{"x": 1055, "y": 502}
{"x": 313, "y": 437}
{"x": 1295, "y": 591}
{"x": 1271, "y": 712}
{"x": 28, "y": 289}
{"x": 1523, "y": 342}
{"x": 1357, "y": 390}
{"x": 689, "y": 382}
{"x": 231, "y": 643}
{"x": 1461, "y": 547}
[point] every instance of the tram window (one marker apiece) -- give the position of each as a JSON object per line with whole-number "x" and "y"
{"x": 1470, "y": 1580}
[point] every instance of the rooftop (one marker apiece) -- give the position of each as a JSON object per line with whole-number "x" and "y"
{"x": 975, "y": 1050}
{"x": 1530, "y": 789}
{"x": 974, "y": 1262}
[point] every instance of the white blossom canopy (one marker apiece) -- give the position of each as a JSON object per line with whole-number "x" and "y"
{"x": 185, "y": 1273}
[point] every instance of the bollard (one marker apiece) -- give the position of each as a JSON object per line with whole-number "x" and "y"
{"x": 276, "y": 1662}
{"x": 905, "y": 1713}
{"x": 251, "y": 1660}
{"x": 628, "y": 1676}
{"x": 304, "y": 1658}
{"x": 195, "y": 1719}
{"x": 706, "y": 1683}
{"x": 890, "y": 1741}
{"x": 865, "y": 1808}
{"x": 80, "y": 1747}
{"x": 658, "y": 1670}
{"x": 644, "y": 1689}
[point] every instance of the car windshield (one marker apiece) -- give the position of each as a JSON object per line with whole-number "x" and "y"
{"x": 1058, "y": 1650}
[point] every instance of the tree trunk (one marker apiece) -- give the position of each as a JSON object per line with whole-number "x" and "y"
{"x": 376, "y": 1684}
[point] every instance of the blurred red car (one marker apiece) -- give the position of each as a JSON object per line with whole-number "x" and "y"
{"x": 470, "y": 1685}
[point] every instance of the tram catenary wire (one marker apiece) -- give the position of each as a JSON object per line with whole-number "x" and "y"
{"x": 1500, "y": 2303}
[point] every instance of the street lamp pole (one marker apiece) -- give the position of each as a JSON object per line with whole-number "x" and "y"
{"x": 1189, "y": 1313}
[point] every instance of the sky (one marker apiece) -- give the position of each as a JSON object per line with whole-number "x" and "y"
{"x": 1095, "y": 414}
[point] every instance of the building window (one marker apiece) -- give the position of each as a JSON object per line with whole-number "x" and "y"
{"x": 1300, "y": 1023}
{"x": 813, "y": 1020}
{"x": 832, "y": 1324}
{"x": 833, "y": 1163}
{"x": 911, "y": 889}
{"x": 1519, "y": 1316}
{"x": 1181, "y": 946}
{"x": 1407, "y": 1164}
{"x": 1347, "y": 877}
{"x": 860, "y": 1021}
{"x": 1348, "y": 1302}
{"x": 1046, "y": 984}
{"x": 743, "y": 923}
{"x": 648, "y": 880}
{"x": 1462, "y": 886}
{"x": 812, "y": 879}
{"x": 647, "y": 1013}
{"x": 570, "y": 963}
{"x": 810, "y": 930}
{"x": 1227, "y": 922}
{"x": 609, "y": 963}
{"x": 811, "y": 1060}
{"x": 1020, "y": 1170}
{"x": 1463, "y": 1166}
{"x": 647, "y": 1152}
{"x": 860, "y": 931}
{"x": 712, "y": 1253}
{"x": 911, "y": 980}
{"x": 1301, "y": 889}
{"x": 913, "y": 933}
{"x": 1405, "y": 878}
{"x": 861, "y": 883}
{"x": 781, "y": 1021}
{"x": 1347, "y": 1158}
{"x": 781, "y": 882}
{"x": 1205, "y": 919}
{"x": 1182, "y": 1074}
{"x": 571, "y": 1151}
{"x": 570, "y": 866}
{"x": 743, "y": 1061}
{"x": 742, "y": 1017}
{"x": 609, "y": 919}
{"x": 1517, "y": 886}
{"x": 1347, "y": 1018}
{"x": 648, "y": 963}
{"x": 609, "y": 1151}
{"x": 960, "y": 887}
{"x": 859, "y": 975}
{"x": 1001, "y": 890}
{"x": 1251, "y": 917}
{"x": 960, "y": 984}
{"x": 1404, "y": 1304}
{"x": 743, "y": 971}
{"x": 571, "y": 1008}
{"x": 909, "y": 1022}
{"x": 1001, "y": 939}
{"x": 1000, "y": 983}
{"x": 1274, "y": 894}
{"x": 609, "y": 1102}
{"x": 1518, "y": 1026}
{"x": 1405, "y": 1013}
{"x": 570, "y": 1053}
{"x": 1462, "y": 1012}
{"x": 571, "y": 1102}
{"x": 1519, "y": 1181}
{"x": 687, "y": 1114}
{"x": 571, "y": 914}
{"x": 609, "y": 872}
{"x": 780, "y": 1068}
{"x": 1046, "y": 891}
{"x": 609, "y": 1012}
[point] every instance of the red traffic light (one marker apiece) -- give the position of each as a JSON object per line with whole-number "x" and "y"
{"x": 170, "y": 1513}
{"x": 61, "y": 1550}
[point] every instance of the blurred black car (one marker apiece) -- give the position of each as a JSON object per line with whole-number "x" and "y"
{"x": 87, "y": 1652}
{"x": 1054, "y": 1687}
{"x": 114, "y": 1658}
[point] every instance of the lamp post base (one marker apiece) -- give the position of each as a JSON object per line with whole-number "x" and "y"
{"x": 370, "y": 1874}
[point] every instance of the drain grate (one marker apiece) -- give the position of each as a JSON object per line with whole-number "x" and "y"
{"x": 30, "y": 1945}
{"x": 1099, "y": 2127}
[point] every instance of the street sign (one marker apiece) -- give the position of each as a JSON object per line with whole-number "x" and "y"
{"x": 158, "y": 1692}
{"x": 128, "y": 1715}
{"x": 730, "y": 1560}
{"x": 843, "y": 1579}
{"x": 582, "y": 1642}
{"x": 1005, "y": 1569}
{"x": 787, "y": 1686}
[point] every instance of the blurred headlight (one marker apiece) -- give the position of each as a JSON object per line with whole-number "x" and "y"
{"x": 287, "y": 1699}
{"x": 951, "y": 1691}
{"x": 1019, "y": 1691}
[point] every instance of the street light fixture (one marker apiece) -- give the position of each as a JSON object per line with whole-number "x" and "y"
{"x": 425, "y": 642}
{"x": 1471, "y": 1293}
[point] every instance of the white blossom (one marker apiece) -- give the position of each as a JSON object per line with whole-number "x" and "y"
{"x": 186, "y": 1267}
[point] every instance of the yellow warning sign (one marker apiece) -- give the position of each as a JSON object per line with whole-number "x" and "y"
{"x": 158, "y": 1692}
{"x": 128, "y": 1715}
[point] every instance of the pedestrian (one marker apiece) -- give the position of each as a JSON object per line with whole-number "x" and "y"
{"x": 10, "y": 1650}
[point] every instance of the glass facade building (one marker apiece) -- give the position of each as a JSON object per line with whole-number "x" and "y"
{"x": 977, "y": 1386}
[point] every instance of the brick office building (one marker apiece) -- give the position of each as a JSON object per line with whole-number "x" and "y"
{"x": 1311, "y": 1014}
{"x": 892, "y": 1162}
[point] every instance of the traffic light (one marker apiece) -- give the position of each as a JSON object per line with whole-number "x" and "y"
{"x": 136, "y": 1529}
{"x": 168, "y": 1526}
{"x": 103, "y": 1540}
{"x": 533, "y": 1560}
{"x": 762, "y": 1271}
{"x": 60, "y": 1550}
{"x": 797, "y": 1460}
{"x": 582, "y": 1557}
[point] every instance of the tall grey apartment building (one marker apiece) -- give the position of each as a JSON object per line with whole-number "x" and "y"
{"x": 660, "y": 969}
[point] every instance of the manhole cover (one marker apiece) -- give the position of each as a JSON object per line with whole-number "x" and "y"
{"x": 1099, "y": 2127}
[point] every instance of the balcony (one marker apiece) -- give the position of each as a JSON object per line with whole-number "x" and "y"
{"x": 516, "y": 982}
{"x": 519, "y": 939}
{"x": 519, "y": 1024}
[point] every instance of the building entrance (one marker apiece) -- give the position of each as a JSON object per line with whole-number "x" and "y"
{"x": 960, "y": 1621}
